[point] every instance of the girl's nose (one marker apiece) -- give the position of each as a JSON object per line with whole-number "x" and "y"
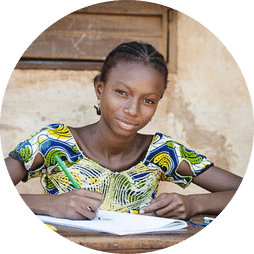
{"x": 131, "y": 107}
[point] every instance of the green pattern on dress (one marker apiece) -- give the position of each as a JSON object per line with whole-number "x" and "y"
{"x": 189, "y": 155}
{"x": 25, "y": 153}
{"x": 170, "y": 144}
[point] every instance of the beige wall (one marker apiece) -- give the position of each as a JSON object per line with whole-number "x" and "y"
{"x": 206, "y": 107}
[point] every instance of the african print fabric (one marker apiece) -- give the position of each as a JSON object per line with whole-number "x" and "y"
{"x": 128, "y": 190}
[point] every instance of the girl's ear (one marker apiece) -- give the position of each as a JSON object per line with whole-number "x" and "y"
{"x": 98, "y": 86}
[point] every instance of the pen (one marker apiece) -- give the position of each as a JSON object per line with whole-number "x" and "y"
{"x": 52, "y": 227}
{"x": 66, "y": 171}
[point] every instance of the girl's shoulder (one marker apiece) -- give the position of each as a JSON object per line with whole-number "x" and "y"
{"x": 162, "y": 143}
{"x": 168, "y": 154}
{"x": 160, "y": 140}
{"x": 52, "y": 137}
{"x": 55, "y": 130}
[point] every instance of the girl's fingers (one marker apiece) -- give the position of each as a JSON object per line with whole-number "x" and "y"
{"x": 83, "y": 204}
{"x": 163, "y": 212}
{"x": 157, "y": 204}
{"x": 88, "y": 208}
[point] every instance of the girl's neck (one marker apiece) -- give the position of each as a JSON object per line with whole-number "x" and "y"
{"x": 110, "y": 144}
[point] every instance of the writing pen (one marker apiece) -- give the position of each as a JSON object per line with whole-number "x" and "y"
{"x": 68, "y": 174}
{"x": 66, "y": 171}
{"x": 52, "y": 227}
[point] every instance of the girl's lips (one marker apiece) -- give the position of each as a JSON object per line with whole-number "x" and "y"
{"x": 126, "y": 124}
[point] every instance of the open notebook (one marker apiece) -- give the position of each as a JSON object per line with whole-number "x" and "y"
{"x": 119, "y": 223}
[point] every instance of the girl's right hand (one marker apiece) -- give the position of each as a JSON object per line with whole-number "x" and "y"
{"x": 76, "y": 204}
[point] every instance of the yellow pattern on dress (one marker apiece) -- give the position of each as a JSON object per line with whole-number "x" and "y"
{"x": 162, "y": 159}
{"x": 60, "y": 132}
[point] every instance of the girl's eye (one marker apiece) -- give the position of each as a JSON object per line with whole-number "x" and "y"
{"x": 121, "y": 92}
{"x": 149, "y": 101}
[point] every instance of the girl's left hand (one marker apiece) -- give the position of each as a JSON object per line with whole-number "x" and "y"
{"x": 171, "y": 205}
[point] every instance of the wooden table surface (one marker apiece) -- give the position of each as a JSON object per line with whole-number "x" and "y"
{"x": 135, "y": 243}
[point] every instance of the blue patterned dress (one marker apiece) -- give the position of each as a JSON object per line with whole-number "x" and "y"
{"x": 126, "y": 191}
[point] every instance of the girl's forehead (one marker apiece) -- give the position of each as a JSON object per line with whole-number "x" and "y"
{"x": 137, "y": 75}
{"x": 133, "y": 70}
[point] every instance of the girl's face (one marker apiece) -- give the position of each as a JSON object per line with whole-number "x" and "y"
{"x": 130, "y": 96}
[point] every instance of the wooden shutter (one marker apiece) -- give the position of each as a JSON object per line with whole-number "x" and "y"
{"x": 82, "y": 40}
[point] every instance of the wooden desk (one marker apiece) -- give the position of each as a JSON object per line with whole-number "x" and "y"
{"x": 135, "y": 243}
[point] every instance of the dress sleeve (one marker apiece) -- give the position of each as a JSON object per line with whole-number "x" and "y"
{"x": 167, "y": 155}
{"x": 48, "y": 141}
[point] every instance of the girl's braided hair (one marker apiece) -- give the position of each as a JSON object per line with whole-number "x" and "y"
{"x": 137, "y": 53}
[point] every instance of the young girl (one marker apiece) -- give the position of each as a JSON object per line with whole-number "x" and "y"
{"x": 118, "y": 168}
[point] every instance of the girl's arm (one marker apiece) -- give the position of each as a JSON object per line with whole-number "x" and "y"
{"x": 220, "y": 183}
{"x": 17, "y": 171}
{"x": 77, "y": 204}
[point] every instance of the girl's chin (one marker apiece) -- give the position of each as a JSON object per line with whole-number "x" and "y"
{"x": 126, "y": 127}
{"x": 124, "y": 132}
